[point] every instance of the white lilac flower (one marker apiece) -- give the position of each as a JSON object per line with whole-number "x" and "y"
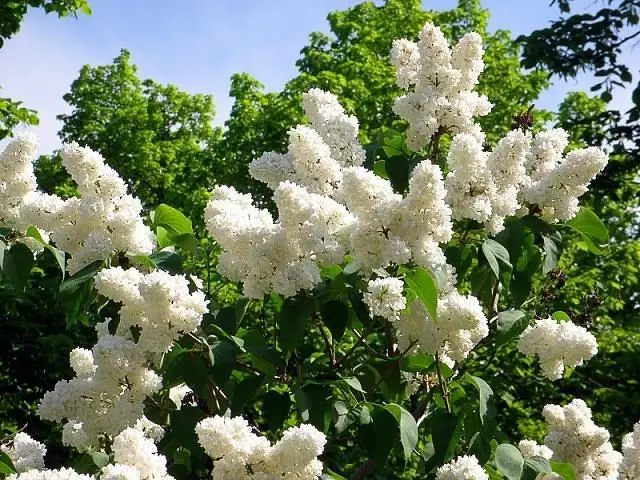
{"x": 630, "y": 467}
{"x": 462, "y": 468}
{"x": 236, "y": 450}
{"x": 574, "y": 438}
{"x": 25, "y": 453}
{"x": 385, "y": 298}
{"x": 557, "y": 345}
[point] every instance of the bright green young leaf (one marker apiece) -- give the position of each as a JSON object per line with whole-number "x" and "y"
{"x": 560, "y": 316}
{"x": 6, "y": 465}
{"x": 172, "y": 220}
{"x": 423, "y": 285}
{"x": 593, "y": 231}
{"x": 509, "y": 461}
{"x": 565, "y": 470}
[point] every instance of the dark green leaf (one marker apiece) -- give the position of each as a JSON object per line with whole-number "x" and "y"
{"x": 34, "y": 233}
{"x": 534, "y": 466}
{"x": 495, "y": 254}
{"x": 416, "y": 363}
{"x": 486, "y": 393}
{"x": 244, "y": 392}
{"x": 510, "y": 324}
{"x": 408, "y": 428}
{"x": 276, "y": 406}
{"x": 552, "y": 249}
{"x": 17, "y": 264}
{"x": 293, "y": 320}
{"x": 335, "y": 315}
{"x": 73, "y": 283}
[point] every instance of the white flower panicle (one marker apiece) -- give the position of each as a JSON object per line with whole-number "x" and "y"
{"x": 104, "y": 220}
{"x": 25, "y": 453}
{"x": 17, "y": 179}
{"x": 239, "y": 453}
{"x": 460, "y": 325}
{"x": 158, "y": 303}
{"x": 133, "y": 451}
{"x": 574, "y": 438}
{"x": 462, "y": 468}
{"x": 337, "y": 129}
{"x": 530, "y": 448}
{"x": 113, "y": 379}
{"x": 630, "y": 466}
{"x": 555, "y": 182}
{"x": 59, "y": 474}
{"x": 442, "y": 98}
{"x": 385, "y": 298}
{"x": 557, "y": 345}
{"x": 482, "y": 185}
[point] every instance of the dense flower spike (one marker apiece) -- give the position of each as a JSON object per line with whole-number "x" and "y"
{"x": 25, "y": 453}
{"x": 462, "y": 468}
{"x": 460, "y": 325}
{"x": 574, "y": 438}
{"x": 328, "y": 206}
{"x": 630, "y": 467}
{"x": 385, "y": 298}
{"x": 240, "y": 454}
{"x": 442, "y": 98}
{"x": 113, "y": 379}
{"x": 557, "y": 345}
{"x": 104, "y": 220}
{"x": 60, "y": 474}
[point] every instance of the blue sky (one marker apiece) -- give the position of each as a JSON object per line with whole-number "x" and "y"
{"x": 197, "y": 45}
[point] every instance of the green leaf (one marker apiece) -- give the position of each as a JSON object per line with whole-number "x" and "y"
{"x": 510, "y": 324}
{"x": 182, "y": 456}
{"x": 73, "y": 283}
{"x": 397, "y": 168}
{"x": 408, "y": 428}
{"x": 275, "y": 407}
{"x": 534, "y": 466}
{"x": 423, "y": 285}
{"x": 380, "y": 169}
{"x": 6, "y": 465}
{"x": 34, "y": 233}
{"x": 560, "y": 316}
{"x": 172, "y": 220}
{"x": 552, "y": 249}
{"x": 486, "y": 393}
{"x": 380, "y": 435}
{"x": 593, "y": 231}
{"x": 495, "y": 254}
{"x": 293, "y": 320}
{"x": 167, "y": 260}
{"x": 244, "y": 392}
{"x": 416, "y": 363}
{"x": 335, "y": 315}
{"x": 565, "y": 470}
{"x": 509, "y": 461}
{"x": 16, "y": 265}
{"x": 354, "y": 383}
{"x": 100, "y": 459}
